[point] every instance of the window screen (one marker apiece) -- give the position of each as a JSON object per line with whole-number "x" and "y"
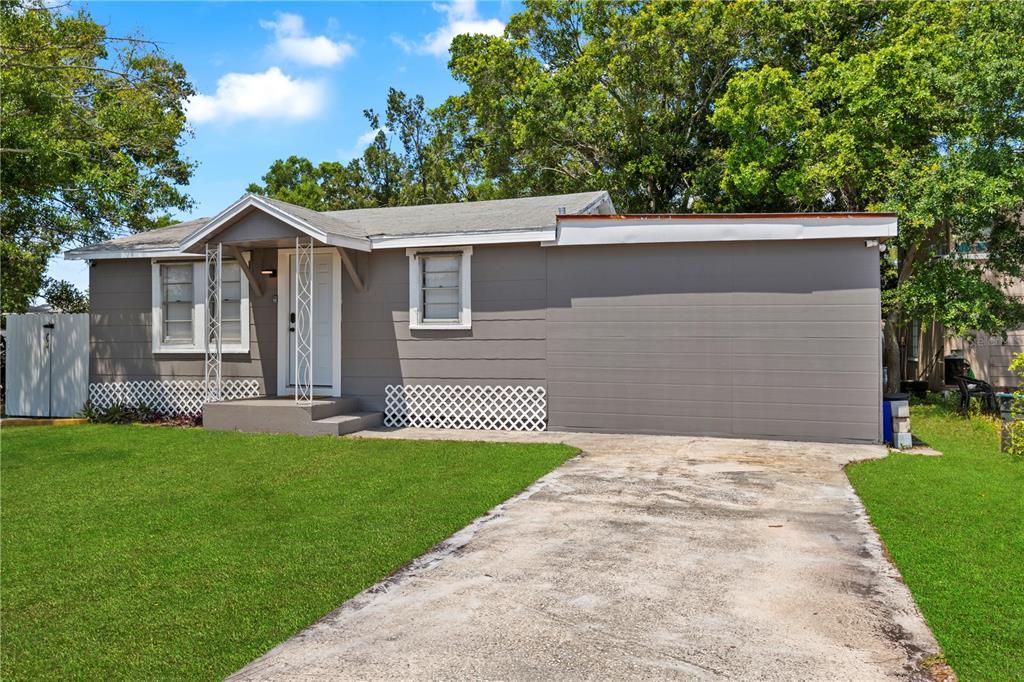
{"x": 231, "y": 297}
{"x": 177, "y": 302}
{"x": 441, "y": 286}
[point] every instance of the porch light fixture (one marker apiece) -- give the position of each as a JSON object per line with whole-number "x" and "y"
{"x": 269, "y": 272}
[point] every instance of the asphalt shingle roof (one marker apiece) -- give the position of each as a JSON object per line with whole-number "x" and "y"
{"x": 475, "y": 216}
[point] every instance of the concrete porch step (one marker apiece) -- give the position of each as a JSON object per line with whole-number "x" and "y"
{"x": 340, "y": 424}
{"x": 334, "y": 416}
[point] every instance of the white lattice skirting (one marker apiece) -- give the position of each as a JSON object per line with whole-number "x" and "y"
{"x": 503, "y": 408}
{"x": 169, "y": 397}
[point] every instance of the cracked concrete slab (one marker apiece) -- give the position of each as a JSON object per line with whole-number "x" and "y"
{"x": 645, "y": 557}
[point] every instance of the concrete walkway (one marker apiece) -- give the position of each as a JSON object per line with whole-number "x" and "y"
{"x": 646, "y": 557}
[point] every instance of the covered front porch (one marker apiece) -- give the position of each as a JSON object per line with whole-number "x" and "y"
{"x": 303, "y": 266}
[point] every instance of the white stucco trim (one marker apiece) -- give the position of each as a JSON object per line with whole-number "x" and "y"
{"x": 284, "y": 292}
{"x": 463, "y": 238}
{"x": 465, "y": 320}
{"x": 577, "y": 231}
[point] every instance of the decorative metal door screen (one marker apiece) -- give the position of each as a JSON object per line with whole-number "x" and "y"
{"x": 304, "y": 320}
{"x": 212, "y": 338}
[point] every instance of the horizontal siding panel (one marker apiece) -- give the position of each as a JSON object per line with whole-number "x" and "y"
{"x": 673, "y": 312}
{"x": 616, "y": 422}
{"x": 714, "y": 361}
{"x": 864, "y": 348}
{"x": 697, "y": 377}
{"x": 448, "y": 369}
{"x": 511, "y": 293}
{"x": 804, "y": 429}
{"x": 496, "y": 329}
{"x": 723, "y": 360}
{"x": 715, "y": 408}
{"x": 470, "y": 349}
{"x": 125, "y": 351}
{"x": 364, "y": 314}
{"x": 684, "y": 296}
{"x": 169, "y": 368}
{"x": 724, "y": 330}
{"x": 662, "y": 408}
{"x": 639, "y": 391}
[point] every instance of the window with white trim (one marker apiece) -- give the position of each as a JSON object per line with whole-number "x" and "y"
{"x": 179, "y": 307}
{"x": 439, "y": 295}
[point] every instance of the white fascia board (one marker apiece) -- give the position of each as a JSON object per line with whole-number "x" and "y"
{"x": 116, "y": 254}
{"x": 464, "y": 239}
{"x": 668, "y": 230}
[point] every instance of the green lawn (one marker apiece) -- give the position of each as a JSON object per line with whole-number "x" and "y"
{"x": 955, "y": 528}
{"x": 155, "y": 553}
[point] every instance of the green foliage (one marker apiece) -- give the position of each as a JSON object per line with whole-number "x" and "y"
{"x": 89, "y": 145}
{"x": 119, "y": 413}
{"x": 64, "y": 297}
{"x": 428, "y": 166}
{"x": 1015, "y": 429}
{"x": 142, "y": 553}
{"x": 952, "y": 526}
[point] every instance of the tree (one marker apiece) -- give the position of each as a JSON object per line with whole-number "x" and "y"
{"x": 428, "y": 167}
{"x": 90, "y": 142}
{"x": 64, "y": 297}
{"x": 604, "y": 95}
{"x": 909, "y": 107}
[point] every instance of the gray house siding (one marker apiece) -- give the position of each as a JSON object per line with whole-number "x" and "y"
{"x": 120, "y": 337}
{"x": 505, "y": 346}
{"x": 754, "y": 339}
{"x": 751, "y": 339}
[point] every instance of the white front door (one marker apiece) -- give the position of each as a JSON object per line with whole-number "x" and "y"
{"x": 326, "y": 322}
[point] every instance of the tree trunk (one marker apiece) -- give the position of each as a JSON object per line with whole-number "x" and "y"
{"x": 891, "y": 351}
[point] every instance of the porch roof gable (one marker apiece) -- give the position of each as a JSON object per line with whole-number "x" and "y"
{"x": 320, "y": 226}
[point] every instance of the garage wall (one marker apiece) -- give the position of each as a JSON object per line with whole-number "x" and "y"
{"x": 755, "y": 339}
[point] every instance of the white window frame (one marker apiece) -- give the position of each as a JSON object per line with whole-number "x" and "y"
{"x": 198, "y": 310}
{"x": 416, "y": 320}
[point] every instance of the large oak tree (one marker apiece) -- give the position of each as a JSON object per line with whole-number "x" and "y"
{"x": 92, "y": 126}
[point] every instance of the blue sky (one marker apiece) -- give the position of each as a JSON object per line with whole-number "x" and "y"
{"x": 275, "y": 79}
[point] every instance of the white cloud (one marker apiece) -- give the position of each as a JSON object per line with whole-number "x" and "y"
{"x": 461, "y": 17}
{"x": 292, "y": 42}
{"x": 362, "y": 142}
{"x": 268, "y": 95}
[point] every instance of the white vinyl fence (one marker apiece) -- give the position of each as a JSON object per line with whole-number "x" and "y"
{"x": 47, "y": 364}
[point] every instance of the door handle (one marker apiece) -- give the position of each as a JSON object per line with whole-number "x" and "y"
{"x": 291, "y": 320}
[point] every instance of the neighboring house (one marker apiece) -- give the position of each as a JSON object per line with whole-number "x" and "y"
{"x": 925, "y": 348}
{"x": 734, "y": 325}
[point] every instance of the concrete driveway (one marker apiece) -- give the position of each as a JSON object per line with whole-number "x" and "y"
{"x": 645, "y": 557}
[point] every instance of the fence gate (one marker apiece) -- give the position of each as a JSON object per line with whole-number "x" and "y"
{"x": 47, "y": 364}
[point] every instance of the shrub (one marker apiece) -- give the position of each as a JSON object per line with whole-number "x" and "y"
{"x": 1015, "y": 429}
{"x": 119, "y": 413}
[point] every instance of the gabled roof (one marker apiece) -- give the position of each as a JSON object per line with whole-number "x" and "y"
{"x": 533, "y": 218}
{"x": 321, "y": 226}
{"x": 473, "y": 216}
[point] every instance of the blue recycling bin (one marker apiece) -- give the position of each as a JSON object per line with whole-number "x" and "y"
{"x": 887, "y": 421}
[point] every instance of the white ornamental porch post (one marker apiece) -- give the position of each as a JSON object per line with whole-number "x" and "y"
{"x": 212, "y": 337}
{"x": 304, "y": 320}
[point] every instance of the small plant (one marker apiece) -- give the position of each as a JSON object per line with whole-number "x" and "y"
{"x": 119, "y": 413}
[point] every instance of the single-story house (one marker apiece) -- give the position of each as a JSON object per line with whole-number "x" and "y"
{"x": 545, "y": 312}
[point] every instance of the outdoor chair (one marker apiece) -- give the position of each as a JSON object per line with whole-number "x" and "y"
{"x": 976, "y": 388}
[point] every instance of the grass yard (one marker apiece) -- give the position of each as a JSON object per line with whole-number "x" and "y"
{"x": 158, "y": 553}
{"x": 954, "y": 525}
